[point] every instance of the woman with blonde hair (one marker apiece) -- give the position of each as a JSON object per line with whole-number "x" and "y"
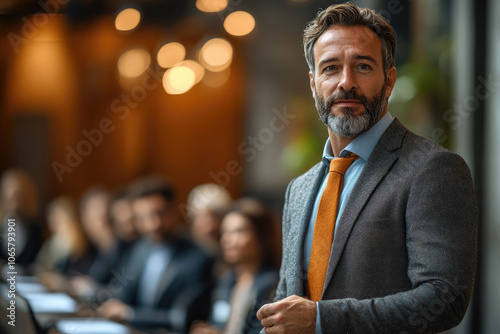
{"x": 206, "y": 205}
{"x": 66, "y": 240}
{"x": 67, "y": 252}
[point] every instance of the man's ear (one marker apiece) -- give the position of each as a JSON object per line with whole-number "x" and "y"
{"x": 311, "y": 83}
{"x": 391, "y": 81}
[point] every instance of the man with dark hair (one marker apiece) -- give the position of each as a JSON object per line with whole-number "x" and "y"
{"x": 380, "y": 236}
{"x": 168, "y": 279}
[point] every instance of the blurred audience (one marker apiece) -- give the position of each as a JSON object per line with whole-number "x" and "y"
{"x": 94, "y": 213}
{"x": 77, "y": 273}
{"x": 206, "y": 206}
{"x": 131, "y": 247}
{"x": 124, "y": 235}
{"x": 168, "y": 278}
{"x": 122, "y": 217}
{"x": 19, "y": 201}
{"x": 65, "y": 236}
{"x": 251, "y": 246}
{"x": 120, "y": 235}
{"x": 67, "y": 252}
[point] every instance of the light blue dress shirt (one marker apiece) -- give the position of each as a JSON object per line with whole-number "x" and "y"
{"x": 156, "y": 265}
{"x": 362, "y": 146}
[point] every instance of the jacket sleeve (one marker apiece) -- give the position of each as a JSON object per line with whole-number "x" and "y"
{"x": 281, "y": 289}
{"x": 441, "y": 233}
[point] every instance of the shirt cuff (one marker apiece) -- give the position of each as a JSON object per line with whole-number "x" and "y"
{"x": 318, "y": 320}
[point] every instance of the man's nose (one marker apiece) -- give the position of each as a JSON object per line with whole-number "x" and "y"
{"x": 154, "y": 222}
{"x": 347, "y": 80}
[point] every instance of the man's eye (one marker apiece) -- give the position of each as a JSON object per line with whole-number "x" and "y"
{"x": 330, "y": 68}
{"x": 364, "y": 67}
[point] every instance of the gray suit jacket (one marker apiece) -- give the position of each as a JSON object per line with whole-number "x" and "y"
{"x": 404, "y": 255}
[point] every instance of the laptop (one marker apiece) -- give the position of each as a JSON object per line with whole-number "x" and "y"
{"x": 90, "y": 326}
{"x": 51, "y": 302}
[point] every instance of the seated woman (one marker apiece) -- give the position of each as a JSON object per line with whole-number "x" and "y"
{"x": 67, "y": 252}
{"x": 114, "y": 246}
{"x": 250, "y": 244}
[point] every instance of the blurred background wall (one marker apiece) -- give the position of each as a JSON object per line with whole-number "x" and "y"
{"x": 88, "y": 97}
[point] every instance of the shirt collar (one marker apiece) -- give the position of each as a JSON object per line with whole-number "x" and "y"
{"x": 364, "y": 144}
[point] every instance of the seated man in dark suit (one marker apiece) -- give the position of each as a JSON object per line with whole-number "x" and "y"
{"x": 168, "y": 278}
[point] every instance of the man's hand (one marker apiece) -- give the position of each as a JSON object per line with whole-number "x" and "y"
{"x": 293, "y": 314}
{"x": 115, "y": 310}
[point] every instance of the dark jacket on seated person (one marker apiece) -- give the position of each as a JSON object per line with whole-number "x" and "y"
{"x": 73, "y": 265}
{"x": 182, "y": 293}
{"x": 106, "y": 266}
{"x": 261, "y": 292}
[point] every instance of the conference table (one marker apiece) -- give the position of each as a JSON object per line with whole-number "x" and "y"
{"x": 27, "y": 307}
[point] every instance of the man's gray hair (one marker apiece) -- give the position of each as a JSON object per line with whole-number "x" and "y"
{"x": 350, "y": 15}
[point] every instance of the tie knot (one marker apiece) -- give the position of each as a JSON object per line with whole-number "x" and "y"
{"x": 340, "y": 165}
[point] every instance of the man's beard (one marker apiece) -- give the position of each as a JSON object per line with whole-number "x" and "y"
{"x": 347, "y": 124}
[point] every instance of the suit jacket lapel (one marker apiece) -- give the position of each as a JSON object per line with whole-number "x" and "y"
{"x": 301, "y": 206}
{"x": 169, "y": 273}
{"x": 377, "y": 166}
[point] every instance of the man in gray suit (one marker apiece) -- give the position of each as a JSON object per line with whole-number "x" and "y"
{"x": 403, "y": 255}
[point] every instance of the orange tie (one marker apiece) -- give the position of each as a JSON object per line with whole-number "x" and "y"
{"x": 324, "y": 226}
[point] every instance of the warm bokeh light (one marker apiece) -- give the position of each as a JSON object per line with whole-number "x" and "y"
{"x": 178, "y": 80}
{"x": 198, "y": 70}
{"x": 216, "y": 55}
{"x": 133, "y": 63}
{"x": 211, "y": 6}
{"x": 239, "y": 23}
{"x": 170, "y": 54}
{"x": 216, "y": 79}
{"x": 127, "y": 19}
